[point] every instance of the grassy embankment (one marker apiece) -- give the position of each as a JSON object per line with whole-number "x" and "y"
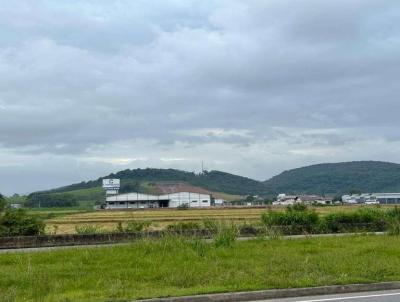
{"x": 174, "y": 266}
{"x": 108, "y": 220}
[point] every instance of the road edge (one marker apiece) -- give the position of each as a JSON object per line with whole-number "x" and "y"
{"x": 281, "y": 293}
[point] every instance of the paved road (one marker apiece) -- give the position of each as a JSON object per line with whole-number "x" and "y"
{"x": 382, "y": 296}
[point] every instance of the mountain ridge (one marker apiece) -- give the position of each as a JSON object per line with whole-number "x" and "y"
{"x": 324, "y": 178}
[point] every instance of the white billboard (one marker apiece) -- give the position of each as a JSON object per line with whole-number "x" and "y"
{"x": 111, "y": 183}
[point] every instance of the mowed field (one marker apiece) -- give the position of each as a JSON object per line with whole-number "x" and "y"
{"x": 160, "y": 218}
{"x": 176, "y": 266}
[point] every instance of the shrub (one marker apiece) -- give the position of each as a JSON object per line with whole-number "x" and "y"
{"x": 211, "y": 225}
{"x": 299, "y": 207}
{"x": 199, "y": 246}
{"x": 3, "y": 203}
{"x": 137, "y": 225}
{"x": 248, "y": 229}
{"x": 393, "y": 213}
{"x": 88, "y": 229}
{"x": 119, "y": 228}
{"x": 184, "y": 226}
{"x": 225, "y": 236}
{"x": 364, "y": 219}
{"x": 296, "y": 219}
{"x": 393, "y": 217}
{"x": 394, "y": 227}
{"x": 183, "y": 206}
{"x": 19, "y": 223}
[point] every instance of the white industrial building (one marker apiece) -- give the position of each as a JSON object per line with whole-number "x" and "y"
{"x": 372, "y": 198}
{"x": 142, "y": 201}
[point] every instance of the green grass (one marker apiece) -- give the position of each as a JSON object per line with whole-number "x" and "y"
{"x": 174, "y": 266}
{"x": 51, "y": 213}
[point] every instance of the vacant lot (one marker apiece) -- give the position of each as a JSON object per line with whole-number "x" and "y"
{"x": 160, "y": 218}
{"x": 176, "y": 266}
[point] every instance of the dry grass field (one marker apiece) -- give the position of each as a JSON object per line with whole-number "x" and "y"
{"x": 160, "y": 218}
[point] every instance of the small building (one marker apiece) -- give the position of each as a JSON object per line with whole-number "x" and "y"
{"x": 314, "y": 199}
{"x": 15, "y": 206}
{"x": 143, "y": 201}
{"x": 219, "y": 202}
{"x": 284, "y": 199}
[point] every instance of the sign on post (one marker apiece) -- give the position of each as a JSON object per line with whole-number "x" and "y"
{"x": 111, "y": 184}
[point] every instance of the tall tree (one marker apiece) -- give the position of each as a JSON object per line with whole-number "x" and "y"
{"x": 2, "y": 203}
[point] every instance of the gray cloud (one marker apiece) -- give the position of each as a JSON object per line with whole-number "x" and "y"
{"x": 251, "y": 87}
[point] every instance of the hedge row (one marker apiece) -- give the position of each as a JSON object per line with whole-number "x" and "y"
{"x": 300, "y": 219}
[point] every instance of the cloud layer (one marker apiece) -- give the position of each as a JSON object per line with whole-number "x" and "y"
{"x": 251, "y": 87}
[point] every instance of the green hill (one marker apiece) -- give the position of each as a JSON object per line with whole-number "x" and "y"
{"x": 142, "y": 181}
{"x": 213, "y": 180}
{"x": 333, "y": 178}
{"x": 339, "y": 178}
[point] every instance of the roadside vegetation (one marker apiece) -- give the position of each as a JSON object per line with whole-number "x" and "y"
{"x": 174, "y": 266}
{"x": 300, "y": 219}
{"x": 16, "y": 222}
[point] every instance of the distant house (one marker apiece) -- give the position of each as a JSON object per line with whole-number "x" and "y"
{"x": 15, "y": 205}
{"x": 219, "y": 202}
{"x": 284, "y": 199}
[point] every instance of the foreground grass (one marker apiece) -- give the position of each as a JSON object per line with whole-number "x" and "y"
{"x": 174, "y": 266}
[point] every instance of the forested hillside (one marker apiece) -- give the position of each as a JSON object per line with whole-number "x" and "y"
{"x": 213, "y": 180}
{"x": 339, "y": 178}
{"x": 334, "y": 178}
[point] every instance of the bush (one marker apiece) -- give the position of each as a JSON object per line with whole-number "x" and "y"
{"x": 19, "y": 223}
{"x": 88, "y": 229}
{"x": 393, "y": 217}
{"x": 183, "y": 206}
{"x": 3, "y": 203}
{"x": 184, "y": 226}
{"x": 364, "y": 219}
{"x": 299, "y": 207}
{"x": 394, "y": 228}
{"x": 137, "y": 225}
{"x": 393, "y": 213}
{"x": 296, "y": 219}
{"x": 225, "y": 236}
{"x": 211, "y": 225}
{"x": 249, "y": 229}
{"x": 299, "y": 219}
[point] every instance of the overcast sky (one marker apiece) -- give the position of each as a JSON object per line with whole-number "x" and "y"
{"x": 250, "y": 87}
